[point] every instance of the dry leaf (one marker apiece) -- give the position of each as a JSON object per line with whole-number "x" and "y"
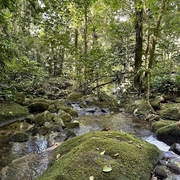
{"x": 57, "y": 157}
{"x": 91, "y": 178}
{"x": 102, "y": 153}
{"x": 117, "y": 154}
{"x": 107, "y": 168}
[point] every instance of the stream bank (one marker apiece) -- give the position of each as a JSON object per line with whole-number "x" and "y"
{"x": 91, "y": 117}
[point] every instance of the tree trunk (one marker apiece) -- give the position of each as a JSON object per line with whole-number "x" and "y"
{"x": 85, "y": 48}
{"x": 139, "y": 41}
{"x": 76, "y": 40}
{"x": 94, "y": 37}
{"x": 85, "y": 29}
{"x": 155, "y": 35}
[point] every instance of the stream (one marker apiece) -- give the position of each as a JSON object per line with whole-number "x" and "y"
{"x": 35, "y": 150}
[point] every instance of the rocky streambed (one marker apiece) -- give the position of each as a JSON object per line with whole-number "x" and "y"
{"x": 60, "y": 120}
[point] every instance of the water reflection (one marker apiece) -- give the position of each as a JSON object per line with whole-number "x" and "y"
{"x": 35, "y": 144}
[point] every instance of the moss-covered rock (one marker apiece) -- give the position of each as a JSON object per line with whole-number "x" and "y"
{"x": 69, "y": 110}
{"x": 19, "y": 137}
{"x": 58, "y": 121}
{"x": 103, "y": 101}
{"x": 161, "y": 172}
{"x": 156, "y": 103}
{"x": 41, "y": 118}
{"x": 162, "y": 123}
{"x": 170, "y": 111}
{"x": 59, "y": 102}
{"x": 64, "y": 116}
{"x": 9, "y": 112}
{"x": 74, "y": 97}
{"x": 38, "y": 106}
{"x": 169, "y": 134}
{"x": 139, "y": 106}
{"x": 73, "y": 124}
{"x": 82, "y": 157}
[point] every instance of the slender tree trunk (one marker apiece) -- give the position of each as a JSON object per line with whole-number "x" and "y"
{"x": 155, "y": 35}
{"x": 148, "y": 73}
{"x": 85, "y": 47}
{"x": 152, "y": 51}
{"x": 85, "y": 29}
{"x": 139, "y": 41}
{"x": 94, "y": 37}
{"x": 76, "y": 40}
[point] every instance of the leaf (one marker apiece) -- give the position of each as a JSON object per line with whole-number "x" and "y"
{"x": 102, "y": 153}
{"x": 130, "y": 142}
{"x": 107, "y": 168}
{"x": 91, "y": 178}
{"x": 139, "y": 146}
{"x": 117, "y": 154}
{"x": 57, "y": 157}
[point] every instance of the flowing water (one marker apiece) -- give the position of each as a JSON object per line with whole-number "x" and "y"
{"x": 37, "y": 146}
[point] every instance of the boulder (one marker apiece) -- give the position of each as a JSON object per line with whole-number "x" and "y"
{"x": 170, "y": 111}
{"x": 169, "y": 134}
{"x": 10, "y": 112}
{"x": 174, "y": 165}
{"x": 64, "y": 116}
{"x": 19, "y": 137}
{"x": 69, "y": 110}
{"x": 161, "y": 123}
{"x": 160, "y": 171}
{"x": 58, "y": 121}
{"x": 41, "y": 118}
{"x": 74, "y": 97}
{"x": 175, "y": 148}
{"x": 38, "y": 106}
{"x": 103, "y": 101}
{"x": 105, "y": 156}
{"x": 73, "y": 124}
{"x": 138, "y": 107}
{"x": 156, "y": 103}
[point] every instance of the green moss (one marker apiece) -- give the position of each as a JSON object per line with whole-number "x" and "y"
{"x": 130, "y": 158}
{"x": 10, "y": 111}
{"x": 159, "y": 124}
{"x": 169, "y": 134}
{"x": 69, "y": 111}
{"x": 170, "y": 111}
{"x": 74, "y": 97}
{"x": 19, "y": 137}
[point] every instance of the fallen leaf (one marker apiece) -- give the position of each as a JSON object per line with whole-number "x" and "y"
{"x": 117, "y": 154}
{"x": 57, "y": 157}
{"x": 107, "y": 168}
{"x": 91, "y": 178}
{"x": 138, "y": 146}
{"x": 102, "y": 153}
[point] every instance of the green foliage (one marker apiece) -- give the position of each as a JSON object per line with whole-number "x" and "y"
{"x": 37, "y": 39}
{"x": 20, "y": 74}
{"x": 166, "y": 83}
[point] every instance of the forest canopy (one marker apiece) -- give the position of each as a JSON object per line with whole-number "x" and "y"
{"x": 94, "y": 42}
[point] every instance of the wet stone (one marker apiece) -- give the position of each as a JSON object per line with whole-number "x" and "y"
{"x": 19, "y": 137}
{"x": 161, "y": 171}
{"x": 175, "y": 148}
